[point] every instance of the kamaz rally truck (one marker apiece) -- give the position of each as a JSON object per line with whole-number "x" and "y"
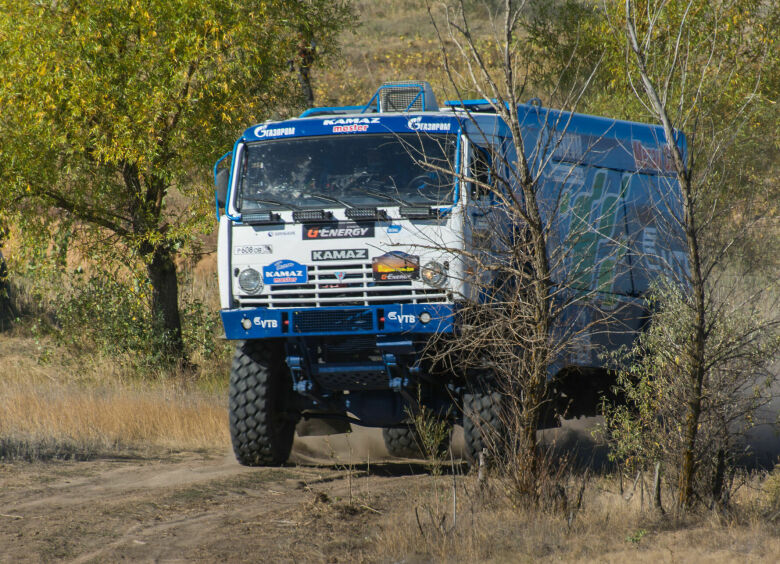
{"x": 339, "y": 257}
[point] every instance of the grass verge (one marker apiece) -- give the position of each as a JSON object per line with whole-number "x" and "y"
{"x": 78, "y": 407}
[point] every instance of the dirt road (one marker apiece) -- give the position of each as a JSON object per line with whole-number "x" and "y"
{"x": 341, "y": 500}
{"x": 185, "y": 507}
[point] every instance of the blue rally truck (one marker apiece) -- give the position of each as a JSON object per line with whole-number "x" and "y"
{"x": 341, "y": 237}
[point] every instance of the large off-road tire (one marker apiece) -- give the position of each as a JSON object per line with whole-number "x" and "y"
{"x": 261, "y": 424}
{"x": 404, "y": 442}
{"x": 483, "y": 425}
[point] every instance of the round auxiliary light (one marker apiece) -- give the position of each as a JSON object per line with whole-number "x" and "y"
{"x": 424, "y": 317}
{"x": 246, "y": 323}
{"x": 250, "y": 281}
{"x": 434, "y": 274}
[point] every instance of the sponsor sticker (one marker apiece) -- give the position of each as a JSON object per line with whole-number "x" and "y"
{"x": 654, "y": 158}
{"x": 264, "y": 132}
{"x": 417, "y": 124}
{"x": 354, "y": 128}
{"x": 393, "y": 228}
{"x": 351, "y": 121}
{"x": 340, "y": 230}
{"x": 285, "y": 272}
{"x": 396, "y": 265}
{"x": 281, "y": 233}
{"x": 402, "y": 318}
{"x": 340, "y": 254}
{"x": 266, "y": 323}
{"x": 254, "y": 250}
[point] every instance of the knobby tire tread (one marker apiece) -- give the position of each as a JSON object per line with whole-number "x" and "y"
{"x": 258, "y": 380}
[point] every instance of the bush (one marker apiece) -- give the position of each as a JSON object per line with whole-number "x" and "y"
{"x": 654, "y": 382}
{"x": 111, "y": 316}
{"x": 106, "y": 314}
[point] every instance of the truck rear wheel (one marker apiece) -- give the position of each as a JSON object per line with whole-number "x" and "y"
{"x": 261, "y": 425}
{"x": 483, "y": 427}
{"x": 404, "y": 442}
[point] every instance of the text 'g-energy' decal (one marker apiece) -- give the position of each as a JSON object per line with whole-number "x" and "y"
{"x": 396, "y": 265}
{"x": 285, "y": 272}
{"x": 341, "y": 230}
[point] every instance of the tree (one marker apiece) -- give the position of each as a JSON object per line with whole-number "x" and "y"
{"x": 113, "y": 111}
{"x": 678, "y": 69}
{"x": 314, "y": 25}
{"x": 535, "y": 270}
{"x": 748, "y": 69}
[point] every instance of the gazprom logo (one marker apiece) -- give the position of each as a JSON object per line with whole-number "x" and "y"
{"x": 264, "y": 131}
{"x": 417, "y": 124}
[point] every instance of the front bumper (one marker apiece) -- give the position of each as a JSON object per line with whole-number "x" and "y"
{"x": 264, "y": 323}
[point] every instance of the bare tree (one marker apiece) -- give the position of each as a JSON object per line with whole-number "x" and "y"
{"x": 718, "y": 351}
{"x": 545, "y": 255}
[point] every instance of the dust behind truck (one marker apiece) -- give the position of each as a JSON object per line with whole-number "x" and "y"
{"x": 341, "y": 237}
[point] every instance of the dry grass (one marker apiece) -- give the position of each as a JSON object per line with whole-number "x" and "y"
{"x": 606, "y": 529}
{"x": 83, "y": 405}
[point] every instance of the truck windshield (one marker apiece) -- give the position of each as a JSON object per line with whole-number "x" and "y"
{"x": 348, "y": 170}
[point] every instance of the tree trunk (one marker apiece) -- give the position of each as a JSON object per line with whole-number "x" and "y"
{"x": 306, "y": 54}
{"x": 165, "y": 298}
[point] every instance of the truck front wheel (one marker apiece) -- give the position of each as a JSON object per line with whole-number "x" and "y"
{"x": 261, "y": 423}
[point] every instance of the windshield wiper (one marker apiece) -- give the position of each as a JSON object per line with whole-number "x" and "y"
{"x": 381, "y": 196}
{"x": 272, "y": 202}
{"x": 331, "y": 199}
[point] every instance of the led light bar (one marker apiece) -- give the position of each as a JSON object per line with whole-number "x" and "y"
{"x": 365, "y": 213}
{"x": 418, "y": 212}
{"x": 312, "y": 215}
{"x": 261, "y": 218}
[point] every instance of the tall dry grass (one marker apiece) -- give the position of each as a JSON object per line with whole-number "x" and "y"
{"x": 606, "y": 528}
{"x": 74, "y": 406}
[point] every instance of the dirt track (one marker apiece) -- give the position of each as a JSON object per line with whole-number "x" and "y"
{"x": 188, "y": 507}
{"x": 205, "y": 507}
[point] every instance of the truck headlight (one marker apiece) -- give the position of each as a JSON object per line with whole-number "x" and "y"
{"x": 250, "y": 281}
{"x": 434, "y": 274}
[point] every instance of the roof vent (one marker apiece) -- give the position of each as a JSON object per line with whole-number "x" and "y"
{"x": 407, "y": 97}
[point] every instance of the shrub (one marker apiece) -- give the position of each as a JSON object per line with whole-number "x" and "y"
{"x": 648, "y": 426}
{"x": 105, "y": 313}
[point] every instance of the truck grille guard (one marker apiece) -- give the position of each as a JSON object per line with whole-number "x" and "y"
{"x": 343, "y": 285}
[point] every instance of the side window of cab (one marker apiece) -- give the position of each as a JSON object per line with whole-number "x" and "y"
{"x": 481, "y": 172}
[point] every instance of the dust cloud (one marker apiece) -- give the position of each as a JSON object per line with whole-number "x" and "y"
{"x": 362, "y": 445}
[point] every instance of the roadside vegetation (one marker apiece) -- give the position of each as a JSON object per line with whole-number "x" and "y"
{"x": 109, "y": 331}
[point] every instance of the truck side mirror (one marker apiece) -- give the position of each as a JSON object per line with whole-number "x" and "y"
{"x": 221, "y": 182}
